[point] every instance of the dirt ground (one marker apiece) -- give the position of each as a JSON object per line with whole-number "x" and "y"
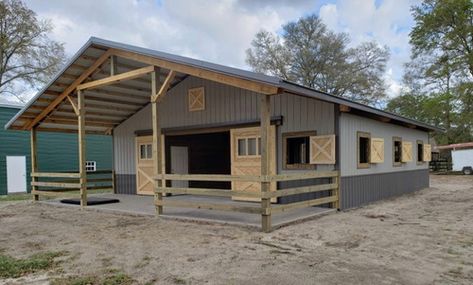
{"x": 421, "y": 238}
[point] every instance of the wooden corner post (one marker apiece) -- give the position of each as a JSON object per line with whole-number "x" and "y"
{"x": 81, "y": 143}
{"x": 157, "y": 154}
{"x": 34, "y": 163}
{"x": 265, "y": 161}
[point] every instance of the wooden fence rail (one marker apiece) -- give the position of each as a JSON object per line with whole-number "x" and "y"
{"x": 333, "y": 187}
{"x": 57, "y": 184}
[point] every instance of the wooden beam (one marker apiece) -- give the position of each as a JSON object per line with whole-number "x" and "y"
{"x": 82, "y": 156}
{"x": 73, "y": 104}
{"x": 265, "y": 113}
{"x": 73, "y": 122}
{"x": 164, "y": 88}
{"x": 345, "y": 108}
{"x": 116, "y": 78}
{"x": 68, "y": 90}
{"x": 34, "y": 161}
{"x": 113, "y": 65}
{"x": 157, "y": 154}
{"x": 199, "y": 72}
{"x": 68, "y": 131}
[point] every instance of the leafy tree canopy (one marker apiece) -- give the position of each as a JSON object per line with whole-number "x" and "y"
{"x": 28, "y": 57}
{"x": 308, "y": 53}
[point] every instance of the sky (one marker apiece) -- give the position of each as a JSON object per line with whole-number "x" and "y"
{"x": 221, "y": 31}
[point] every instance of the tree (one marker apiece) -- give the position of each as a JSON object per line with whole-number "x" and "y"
{"x": 309, "y": 54}
{"x": 440, "y": 74}
{"x": 28, "y": 57}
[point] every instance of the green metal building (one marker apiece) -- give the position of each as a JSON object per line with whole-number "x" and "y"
{"x": 57, "y": 152}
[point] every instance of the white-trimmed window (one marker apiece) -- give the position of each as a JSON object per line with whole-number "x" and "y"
{"x": 249, "y": 146}
{"x": 90, "y": 166}
{"x": 146, "y": 151}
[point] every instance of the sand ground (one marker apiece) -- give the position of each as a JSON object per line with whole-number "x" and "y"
{"x": 421, "y": 238}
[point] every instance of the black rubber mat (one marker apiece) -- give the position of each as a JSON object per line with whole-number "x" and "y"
{"x": 91, "y": 201}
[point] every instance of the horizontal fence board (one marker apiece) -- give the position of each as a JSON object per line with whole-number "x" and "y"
{"x": 56, "y": 184}
{"x": 302, "y": 176}
{"x": 56, "y": 174}
{"x": 209, "y": 177}
{"x": 209, "y": 206}
{"x": 300, "y": 190}
{"x": 303, "y": 204}
{"x": 208, "y": 192}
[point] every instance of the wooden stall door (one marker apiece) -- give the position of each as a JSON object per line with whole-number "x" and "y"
{"x": 144, "y": 165}
{"x": 246, "y": 158}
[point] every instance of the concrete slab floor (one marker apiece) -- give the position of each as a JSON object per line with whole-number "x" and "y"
{"x": 143, "y": 205}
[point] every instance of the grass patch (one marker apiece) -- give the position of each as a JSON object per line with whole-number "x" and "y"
{"x": 113, "y": 278}
{"x": 15, "y": 197}
{"x": 13, "y": 268}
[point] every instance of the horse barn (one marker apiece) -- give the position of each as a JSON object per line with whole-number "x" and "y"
{"x": 238, "y": 141}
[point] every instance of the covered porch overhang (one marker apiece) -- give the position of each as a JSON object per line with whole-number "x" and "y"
{"x": 105, "y": 85}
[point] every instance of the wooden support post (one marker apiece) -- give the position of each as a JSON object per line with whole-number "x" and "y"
{"x": 34, "y": 163}
{"x": 157, "y": 153}
{"x": 336, "y": 191}
{"x": 113, "y": 65}
{"x": 82, "y": 158}
{"x": 265, "y": 161}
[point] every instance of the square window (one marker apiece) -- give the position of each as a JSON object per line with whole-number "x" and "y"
{"x": 296, "y": 148}
{"x": 420, "y": 151}
{"x": 149, "y": 151}
{"x": 241, "y": 147}
{"x": 364, "y": 149}
{"x": 90, "y": 166}
{"x": 251, "y": 146}
{"x": 397, "y": 151}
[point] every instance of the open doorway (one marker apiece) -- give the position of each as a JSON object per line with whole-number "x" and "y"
{"x": 207, "y": 153}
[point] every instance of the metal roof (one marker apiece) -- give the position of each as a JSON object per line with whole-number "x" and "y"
{"x": 106, "y": 105}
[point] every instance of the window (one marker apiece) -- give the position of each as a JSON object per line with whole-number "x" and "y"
{"x": 296, "y": 148}
{"x": 250, "y": 146}
{"x": 420, "y": 152}
{"x": 363, "y": 149}
{"x": 397, "y": 151}
{"x": 90, "y": 166}
{"x": 146, "y": 151}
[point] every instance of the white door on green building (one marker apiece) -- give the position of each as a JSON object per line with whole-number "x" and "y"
{"x": 16, "y": 174}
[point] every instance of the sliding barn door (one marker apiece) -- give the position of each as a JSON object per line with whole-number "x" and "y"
{"x": 144, "y": 165}
{"x": 246, "y": 158}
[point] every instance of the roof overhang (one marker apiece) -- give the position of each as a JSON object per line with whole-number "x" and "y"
{"x": 108, "y": 105}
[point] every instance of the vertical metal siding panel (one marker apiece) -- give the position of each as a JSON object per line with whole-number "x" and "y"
{"x": 350, "y": 124}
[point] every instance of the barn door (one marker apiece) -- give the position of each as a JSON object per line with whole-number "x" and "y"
{"x": 246, "y": 158}
{"x": 144, "y": 165}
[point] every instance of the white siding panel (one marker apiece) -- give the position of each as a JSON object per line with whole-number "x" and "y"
{"x": 351, "y": 124}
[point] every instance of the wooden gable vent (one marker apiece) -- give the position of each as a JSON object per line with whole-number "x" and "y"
{"x": 196, "y": 99}
{"x": 406, "y": 151}
{"x": 322, "y": 149}
{"x": 377, "y": 150}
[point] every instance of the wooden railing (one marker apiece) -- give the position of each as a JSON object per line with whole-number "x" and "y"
{"x": 332, "y": 187}
{"x": 56, "y": 184}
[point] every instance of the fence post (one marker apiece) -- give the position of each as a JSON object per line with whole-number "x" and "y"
{"x": 34, "y": 162}
{"x": 265, "y": 162}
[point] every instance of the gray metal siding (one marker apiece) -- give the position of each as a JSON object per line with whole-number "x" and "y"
{"x": 125, "y": 184}
{"x": 351, "y": 124}
{"x": 359, "y": 190}
{"x": 223, "y": 104}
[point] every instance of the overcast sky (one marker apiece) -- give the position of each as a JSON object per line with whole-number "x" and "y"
{"x": 221, "y": 31}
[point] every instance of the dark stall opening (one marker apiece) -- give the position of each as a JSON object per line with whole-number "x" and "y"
{"x": 207, "y": 153}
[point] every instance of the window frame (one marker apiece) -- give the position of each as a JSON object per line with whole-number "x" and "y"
{"x": 399, "y": 163}
{"x": 146, "y": 151}
{"x": 419, "y": 162}
{"x": 92, "y": 164}
{"x": 360, "y": 134}
{"x": 296, "y": 166}
{"x": 245, "y": 139}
